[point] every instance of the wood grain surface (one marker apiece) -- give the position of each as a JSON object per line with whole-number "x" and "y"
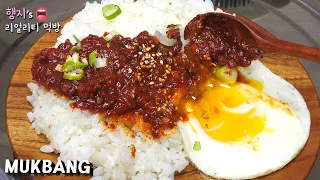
{"x": 26, "y": 143}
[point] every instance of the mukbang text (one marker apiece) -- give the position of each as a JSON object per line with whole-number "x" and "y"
{"x": 27, "y": 167}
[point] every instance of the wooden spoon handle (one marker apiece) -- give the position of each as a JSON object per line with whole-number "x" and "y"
{"x": 269, "y": 43}
{"x": 291, "y": 49}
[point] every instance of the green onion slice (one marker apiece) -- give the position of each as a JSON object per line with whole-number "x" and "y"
{"x": 92, "y": 57}
{"x": 76, "y": 48}
{"x": 80, "y": 65}
{"x": 106, "y": 38}
{"x": 77, "y": 74}
{"x": 197, "y": 146}
{"x": 227, "y": 74}
{"x": 84, "y": 61}
{"x": 100, "y": 62}
{"x": 110, "y": 35}
{"x": 69, "y": 65}
{"x": 59, "y": 68}
{"x": 111, "y": 11}
{"x": 76, "y": 38}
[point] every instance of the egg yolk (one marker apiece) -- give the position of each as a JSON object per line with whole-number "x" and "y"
{"x": 253, "y": 83}
{"x": 213, "y": 112}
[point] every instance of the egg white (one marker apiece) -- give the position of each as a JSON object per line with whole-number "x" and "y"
{"x": 268, "y": 151}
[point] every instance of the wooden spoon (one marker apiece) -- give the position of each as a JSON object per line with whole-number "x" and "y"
{"x": 268, "y": 42}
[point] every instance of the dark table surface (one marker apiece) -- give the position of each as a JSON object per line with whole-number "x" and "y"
{"x": 296, "y": 20}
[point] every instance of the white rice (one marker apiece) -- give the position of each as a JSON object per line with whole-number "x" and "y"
{"x": 79, "y": 135}
{"x": 137, "y": 16}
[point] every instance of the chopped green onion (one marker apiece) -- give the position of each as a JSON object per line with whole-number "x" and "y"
{"x": 99, "y": 63}
{"x": 113, "y": 32}
{"x": 110, "y": 35}
{"x": 69, "y": 65}
{"x": 106, "y": 38}
{"x": 111, "y": 11}
{"x": 75, "y": 37}
{"x": 92, "y": 57}
{"x": 77, "y": 74}
{"x": 75, "y": 57}
{"x": 80, "y": 65}
{"x": 72, "y": 65}
{"x": 84, "y": 61}
{"x": 73, "y": 68}
{"x": 76, "y": 48}
{"x": 227, "y": 74}
{"x": 59, "y": 68}
{"x": 197, "y": 146}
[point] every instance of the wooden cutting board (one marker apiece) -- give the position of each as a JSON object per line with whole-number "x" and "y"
{"x": 26, "y": 143}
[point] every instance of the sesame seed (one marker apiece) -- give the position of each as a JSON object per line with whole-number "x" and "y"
{"x": 153, "y": 55}
{"x": 170, "y": 53}
{"x": 148, "y": 48}
{"x": 140, "y": 53}
{"x": 167, "y": 71}
{"x": 135, "y": 55}
{"x": 108, "y": 45}
{"x": 151, "y": 83}
{"x": 146, "y": 62}
{"x": 161, "y": 80}
{"x": 161, "y": 62}
{"x": 152, "y": 45}
{"x": 139, "y": 78}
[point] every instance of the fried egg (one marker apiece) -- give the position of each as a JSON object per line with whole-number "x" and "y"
{"x": 245, "y": 130}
